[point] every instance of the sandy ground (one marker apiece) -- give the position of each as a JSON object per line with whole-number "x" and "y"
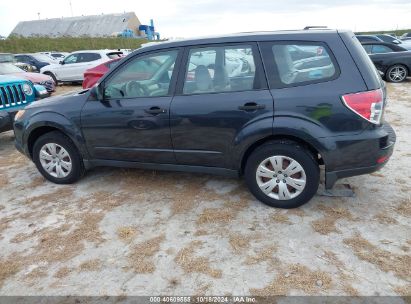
{"x": 135, "y": 232}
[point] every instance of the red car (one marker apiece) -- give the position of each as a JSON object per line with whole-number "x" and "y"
{"x": 91, "y": 76}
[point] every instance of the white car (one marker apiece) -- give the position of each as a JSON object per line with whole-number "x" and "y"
{"x": 72, "y": 68}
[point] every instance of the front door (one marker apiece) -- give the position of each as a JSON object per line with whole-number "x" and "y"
{"x": 132, "y": 122}
{"x": 222, "y": 90}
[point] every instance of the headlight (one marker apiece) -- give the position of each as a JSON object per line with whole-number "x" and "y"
{"x": 27, "y": 89}
{"x": 19, "y": 114}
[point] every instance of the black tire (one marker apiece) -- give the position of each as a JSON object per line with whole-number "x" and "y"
{"x": 390, "y": 78}
{"x": 77, "y": 168}
{"x": 292, "y": 150}
{"x": 52, "y": 76}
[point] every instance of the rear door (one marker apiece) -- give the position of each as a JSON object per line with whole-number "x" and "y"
{"x": 221, "y": 89}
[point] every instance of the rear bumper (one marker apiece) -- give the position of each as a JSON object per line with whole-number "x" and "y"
{"x": 379, "y": 157}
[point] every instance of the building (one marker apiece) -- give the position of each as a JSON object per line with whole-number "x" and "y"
{"x": 82, "y": 26}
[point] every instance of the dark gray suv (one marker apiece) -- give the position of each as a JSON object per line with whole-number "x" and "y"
{"x": 271, "y": 107}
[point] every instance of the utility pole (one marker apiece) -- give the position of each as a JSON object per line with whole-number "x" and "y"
{"x": 71, "y": 8}
{"x": 38, "y": 15}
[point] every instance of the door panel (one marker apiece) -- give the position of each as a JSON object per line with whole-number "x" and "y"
{"x": 123, "y": 130}
{"x": 222, "y": 89}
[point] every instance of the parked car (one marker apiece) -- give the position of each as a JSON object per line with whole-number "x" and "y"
{"x": 368, "y": 38}
{"x": 72, "y": 68}
{"x": 93, "y": 75}
{"x": 391, "y": 60}
{"x": 6, "y": 68}
{"x": 328, "y": 111}
{"x": 36, "y": 60}
{"x": 15, "y": 93}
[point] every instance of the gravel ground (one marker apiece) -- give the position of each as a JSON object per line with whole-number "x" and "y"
{"x": 135, "y": 232}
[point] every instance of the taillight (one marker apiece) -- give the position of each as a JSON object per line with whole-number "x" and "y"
{"x": 368, "y": 105}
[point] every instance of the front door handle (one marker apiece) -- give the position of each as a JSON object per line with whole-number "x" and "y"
{"x": 251, "y": 106}
{"x": 155, "y": 111}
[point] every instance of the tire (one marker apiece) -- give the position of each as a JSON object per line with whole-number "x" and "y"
{"x": 283, "y": 152}
{"x": 52, "y": 76}
{"x": 61, "y": 142}
{"x": 396, "y": 73}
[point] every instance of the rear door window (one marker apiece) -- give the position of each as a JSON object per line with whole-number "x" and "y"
{"x": 302, "y": 63}
{"x": 220, "y": 69}
{"x": 88, "y": 57}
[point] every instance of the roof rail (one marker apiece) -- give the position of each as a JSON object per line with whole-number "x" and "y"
{"x": 315, "y": 27}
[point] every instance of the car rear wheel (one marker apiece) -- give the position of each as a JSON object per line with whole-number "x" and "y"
{"x": 282, "y": 174}
{"x": 396, "y": 73}
{"x": 57, "y": 158}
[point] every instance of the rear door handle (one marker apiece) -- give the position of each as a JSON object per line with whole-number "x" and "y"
{"x": 251, "y": 106}
{"x": 155, "y": 111}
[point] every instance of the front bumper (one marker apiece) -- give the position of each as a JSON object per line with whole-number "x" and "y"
{"x": 379, "y": 157}
{"x": 6, "y": 121}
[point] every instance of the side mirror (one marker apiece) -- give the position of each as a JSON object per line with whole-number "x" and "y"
{"x": 61, "y": 62}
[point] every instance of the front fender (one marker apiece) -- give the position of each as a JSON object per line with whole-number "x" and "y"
{"x": 54, "y": 120}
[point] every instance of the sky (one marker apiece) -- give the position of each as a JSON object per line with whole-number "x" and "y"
{"x": 190, "y": 18}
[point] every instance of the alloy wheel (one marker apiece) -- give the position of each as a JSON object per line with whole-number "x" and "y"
{"x": 397, "y": 73}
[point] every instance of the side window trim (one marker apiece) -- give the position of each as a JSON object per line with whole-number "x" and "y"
{"x": 272, "y": 70}
{"x": 262, "y": 81}
{"x": 124, "y": 62}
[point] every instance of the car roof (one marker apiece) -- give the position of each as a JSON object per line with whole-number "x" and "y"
{"x": 241, "y": 37}
{"x": 97, "y": 51}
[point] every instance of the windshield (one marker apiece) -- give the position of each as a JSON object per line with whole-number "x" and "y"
{"x": 8, "y": 68}
{"x": 42, "y": 57}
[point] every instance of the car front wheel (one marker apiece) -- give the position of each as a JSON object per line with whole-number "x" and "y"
{"x": 57, "y": 158}
{"x": 282, "y": 174}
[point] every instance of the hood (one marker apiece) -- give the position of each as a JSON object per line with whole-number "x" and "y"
{"x": 6, "y": 79}
{"x": 66, "y": 98}
{"x": 33, "y": 77}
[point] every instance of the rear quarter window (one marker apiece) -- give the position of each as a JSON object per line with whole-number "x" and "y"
{"x": 301, "y": 63}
